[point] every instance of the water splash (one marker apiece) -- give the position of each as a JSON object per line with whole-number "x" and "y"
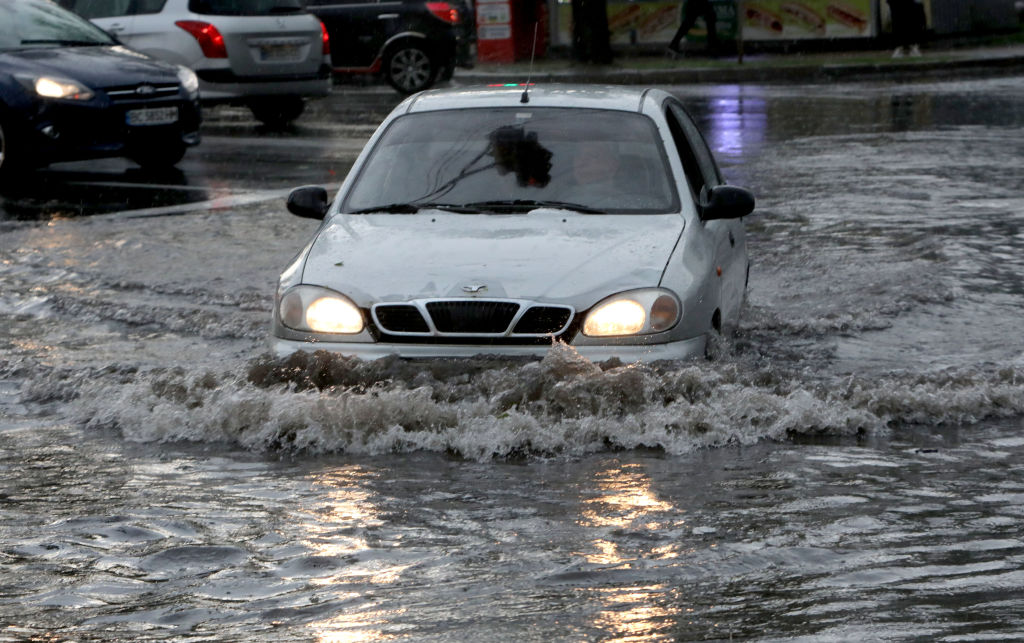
{"x": 560, "y": 406}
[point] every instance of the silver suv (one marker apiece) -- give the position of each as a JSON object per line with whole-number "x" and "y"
{"x": 267, "y": 54}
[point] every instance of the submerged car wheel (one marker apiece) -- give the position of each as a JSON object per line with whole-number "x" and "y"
{"x": 159, "y": 156}
{"x": 410, "y": 69}
{"x": 278, "y": 112}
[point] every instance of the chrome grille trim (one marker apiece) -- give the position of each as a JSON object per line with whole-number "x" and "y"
{"x": 132, "y": 93}
{"x": 422, "y": 306}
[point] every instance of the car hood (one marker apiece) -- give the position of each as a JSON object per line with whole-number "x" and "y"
{"x": 98, "y": 66}
{"x": 544, "y": 256}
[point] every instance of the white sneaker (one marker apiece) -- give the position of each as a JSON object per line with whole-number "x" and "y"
{"x": 898, "y": 53}
{"x": 915, "y": 51}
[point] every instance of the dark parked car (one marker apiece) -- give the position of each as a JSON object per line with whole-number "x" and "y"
{"x": 410, "y": 43}
{"x": 68, "y": 91}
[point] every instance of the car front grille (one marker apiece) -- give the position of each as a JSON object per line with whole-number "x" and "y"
{"x": 401, "y": 319}
{"x": 464, "y": 319}
{"x": 543, "y": 320}
{"x": 473, "y": 317}
{"x": 141, "y": 92}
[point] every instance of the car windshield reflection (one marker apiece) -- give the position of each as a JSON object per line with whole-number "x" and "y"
{"x": 40, "y": 24}
{"x": 517, "y": 160}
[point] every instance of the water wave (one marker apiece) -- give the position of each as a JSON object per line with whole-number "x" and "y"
{"x": 560, "y": 406}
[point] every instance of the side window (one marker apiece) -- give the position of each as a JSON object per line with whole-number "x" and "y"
{"x": 149, "y": 6}
{"x": 90, "y": 9}
{"x": 708, "y": 168}
{"x": 691, "y": 166}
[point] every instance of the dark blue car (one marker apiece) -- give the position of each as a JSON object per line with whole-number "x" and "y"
{"x": 69, "y": 91}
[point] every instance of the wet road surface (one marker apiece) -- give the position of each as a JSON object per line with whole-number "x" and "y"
{"x": 848, "y": 467}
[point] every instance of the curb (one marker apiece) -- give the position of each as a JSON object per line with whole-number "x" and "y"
{"x": 893, "y": 71}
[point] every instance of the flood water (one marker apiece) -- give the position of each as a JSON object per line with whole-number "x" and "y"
{"x": 850, "y": 466}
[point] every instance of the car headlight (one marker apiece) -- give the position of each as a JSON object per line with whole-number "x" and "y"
{"x": 189, "y": 80}
{"x": 63, "y": 88}
{"x": 319, "y": 310}
{"x": 637, "y": 312}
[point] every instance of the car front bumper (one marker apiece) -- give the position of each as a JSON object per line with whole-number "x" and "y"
{"x": 67, "y": 131}
{"x": 683, "y": 349}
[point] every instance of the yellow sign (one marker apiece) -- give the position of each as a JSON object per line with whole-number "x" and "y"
{"x": 801, "y": 19}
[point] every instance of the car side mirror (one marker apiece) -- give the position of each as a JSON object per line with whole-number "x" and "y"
{"x": 726, "y": 202}
{"x": 309, "y": 201}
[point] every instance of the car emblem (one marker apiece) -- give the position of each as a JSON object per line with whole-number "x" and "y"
{"x": 281, "y": 23}
{"x": 474, "y": 288}
{"x": 145, "y": 90}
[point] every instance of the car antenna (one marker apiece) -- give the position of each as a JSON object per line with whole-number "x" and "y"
{"x": 525, "y": 98}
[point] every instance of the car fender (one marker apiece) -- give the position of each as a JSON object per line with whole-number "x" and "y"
{"x": 692, "y": 273}
{"x": 378, "y": 63}
{"x": 14, "y": 98}
{"x": 10, "y": 93}
{"x": 734, "y": 264}
{"x": 406, "y": 35}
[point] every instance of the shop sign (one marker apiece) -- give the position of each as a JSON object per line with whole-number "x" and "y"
{"x": 803, "y": 19}
{"x": 494, "y": 20}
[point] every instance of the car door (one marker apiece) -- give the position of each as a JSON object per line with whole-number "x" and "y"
{"x": 113, "y": 16}
{"x": 358, "y": 29}
{"x": 726, "y": 235}
{"x": 151, "y": 31}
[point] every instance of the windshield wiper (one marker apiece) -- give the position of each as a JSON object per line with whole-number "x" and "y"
{"x": 66, "y": 43}
{"x": 525, "y": 205}
{"x": 413, "y": 208}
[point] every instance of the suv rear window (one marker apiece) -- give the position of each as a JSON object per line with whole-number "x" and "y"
{"x": 245, "y": 7}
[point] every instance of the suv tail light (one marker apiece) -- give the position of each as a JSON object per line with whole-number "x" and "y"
{"x": 210, "y": 40}
{"x": 326, "y": 39}
{"x": 444, "y": 11}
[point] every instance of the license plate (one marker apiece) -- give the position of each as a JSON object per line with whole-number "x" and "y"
{"x": 152, "y": 116}
{"x": 279, "y": 53}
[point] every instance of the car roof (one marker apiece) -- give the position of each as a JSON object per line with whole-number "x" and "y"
{"x": 614, "y": 97}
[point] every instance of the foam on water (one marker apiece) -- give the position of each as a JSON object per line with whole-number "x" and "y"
{"x": 561, "y": 406}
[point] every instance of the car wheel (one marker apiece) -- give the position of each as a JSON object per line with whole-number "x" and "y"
{"x": 277, "y": 112}
{"x": 159, "y": 156}
{"x": 410, "y": 69}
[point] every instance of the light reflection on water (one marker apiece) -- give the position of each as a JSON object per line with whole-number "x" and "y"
{"x": 736, "y": 123}
{"x": 335, "y": 529}
{"x": 634, "y": 615}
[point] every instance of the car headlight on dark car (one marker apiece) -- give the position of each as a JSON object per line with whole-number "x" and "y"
{"x": 189, "y": 81}
{"x": 56, "y": 87}
{"x": 319, "y": 310}
{"x": 636, "y": 312}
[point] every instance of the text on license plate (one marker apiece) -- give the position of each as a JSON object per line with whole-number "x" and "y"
{"x": 152, "y": 116}
{"x": 279, "y": 52}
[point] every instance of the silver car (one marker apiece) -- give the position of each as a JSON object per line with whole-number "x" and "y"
{"x": 267, "y": 54}
{"x": 493, "y": 221}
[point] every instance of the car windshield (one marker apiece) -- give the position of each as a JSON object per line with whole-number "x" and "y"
{"x": 245, "y": 7}
{"x": 515, "y": 160}
{"x": 29, "y": 23}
